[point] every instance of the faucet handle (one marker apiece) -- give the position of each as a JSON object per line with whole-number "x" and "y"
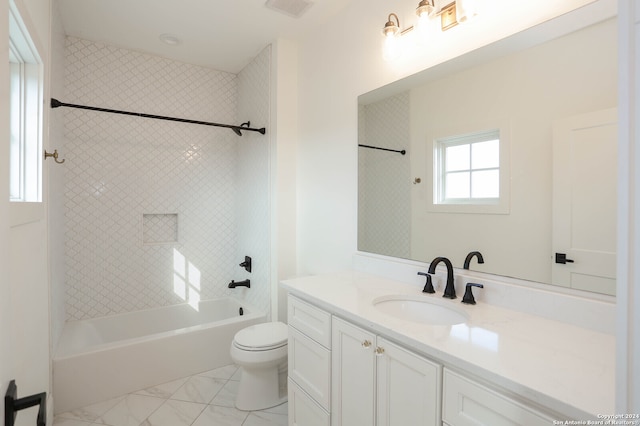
{"x": 428, "y": 286}
{"x": 468, "y": 293}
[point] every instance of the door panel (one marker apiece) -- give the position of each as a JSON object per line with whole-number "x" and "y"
{"x": 584, "y": 182}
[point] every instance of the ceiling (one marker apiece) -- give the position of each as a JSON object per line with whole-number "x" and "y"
{"x": 220, "y": 34}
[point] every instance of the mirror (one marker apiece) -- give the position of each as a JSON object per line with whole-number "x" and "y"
{"x": 546, "y": 100}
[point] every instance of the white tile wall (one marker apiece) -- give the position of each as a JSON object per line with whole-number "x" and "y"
{"x": 119, "y": 168}
{"x": 384, "y": 177}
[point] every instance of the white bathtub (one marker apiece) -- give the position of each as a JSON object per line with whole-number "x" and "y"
{"x": 102, "y": 358}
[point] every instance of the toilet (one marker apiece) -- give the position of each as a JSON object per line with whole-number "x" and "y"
{"x": 261, "y": 352}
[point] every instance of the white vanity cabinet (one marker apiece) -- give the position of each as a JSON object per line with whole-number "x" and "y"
{"x": 309, "y": 364}
{"x": 376, "y": 382}
{"x": 469, "y": 403}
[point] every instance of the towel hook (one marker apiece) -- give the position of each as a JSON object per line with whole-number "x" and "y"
{"x": 54, "y": 155}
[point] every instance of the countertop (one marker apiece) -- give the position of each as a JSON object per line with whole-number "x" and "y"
{"x": 565, "y": 368}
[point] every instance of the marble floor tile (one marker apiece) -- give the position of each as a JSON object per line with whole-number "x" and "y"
{"x": 59, "y": 421}
{"x": 237, "y": 374}
{"x": 278, "y": 409}
{"x": 91, "y": 412}
{"x": 199, "y": 389}
{"x": 221, "y": 373}
{"x": 131, "y": 411}
{"x": 205, "y": 399}
{"x": 262, "y": 418}
{"x": 221, "y": 416}
{"x": 165, "y": 390}
{"x": 227, "y": 395}
{"x": 175, "y": 413}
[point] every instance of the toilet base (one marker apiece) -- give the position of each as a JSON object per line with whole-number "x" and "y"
{"x": 260, "y": 389}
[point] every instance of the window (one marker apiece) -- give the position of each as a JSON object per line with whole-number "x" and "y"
{"x": 471, "y": 173}
{"x": 25, "y": 105}
{"x": 469, "y": 169}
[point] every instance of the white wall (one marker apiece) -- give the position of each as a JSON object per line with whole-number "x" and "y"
{"x": 24, "y": 290}
{"x": 628, "y": 288}
{"x": 252, "y": 197}
{"x": 56, "y": 182}
{"x": 342, "y": 60}
{"x": 284, "y": 138}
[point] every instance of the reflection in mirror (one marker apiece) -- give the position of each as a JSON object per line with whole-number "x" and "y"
{"x": 552, "y": 109}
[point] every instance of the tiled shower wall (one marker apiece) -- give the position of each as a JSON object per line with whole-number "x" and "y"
{"x": 384, "y": 178}
{"x": 154, "y": 210}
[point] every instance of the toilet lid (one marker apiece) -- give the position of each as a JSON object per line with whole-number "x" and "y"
{"x": 262, "y": 336}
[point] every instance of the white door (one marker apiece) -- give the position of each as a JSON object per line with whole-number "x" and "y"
{"x": 353, "y": 375}
{"x": 584, "y": 201}
{"x": 408, "y": 388}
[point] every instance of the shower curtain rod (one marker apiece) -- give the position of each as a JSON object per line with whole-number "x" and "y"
{"x": 236, "y": 129}
{"x": 403, "y": 152}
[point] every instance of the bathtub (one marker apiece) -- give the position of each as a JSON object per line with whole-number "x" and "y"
{"x": 101, "y": 358}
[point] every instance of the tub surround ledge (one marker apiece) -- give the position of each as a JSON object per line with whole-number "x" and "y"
{"x": 562, "y": 367}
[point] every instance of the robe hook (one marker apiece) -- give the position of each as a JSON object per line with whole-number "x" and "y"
{"x": 54, "y": 155}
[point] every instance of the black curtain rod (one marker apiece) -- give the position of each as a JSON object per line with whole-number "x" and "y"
{"x": 403, "y": 152}
{"x": 236, "y": 129}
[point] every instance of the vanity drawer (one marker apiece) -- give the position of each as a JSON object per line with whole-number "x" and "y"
{"x": 467, "y": 403}
{"x": 310, "y": 367}
{"x": 310, "y": 320}
{"x": 304, "y": 411}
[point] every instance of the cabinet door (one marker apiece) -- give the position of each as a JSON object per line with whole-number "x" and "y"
{"x": 408, "y": 389}
{"x": 353, "y": 375}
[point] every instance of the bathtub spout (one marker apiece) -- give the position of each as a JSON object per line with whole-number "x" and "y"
{"x": 245, "y": 283}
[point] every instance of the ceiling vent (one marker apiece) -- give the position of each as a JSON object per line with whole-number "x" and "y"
{"x": 293, "y": 8}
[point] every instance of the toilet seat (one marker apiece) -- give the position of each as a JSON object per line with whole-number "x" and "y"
{"x": 262, "y": 337}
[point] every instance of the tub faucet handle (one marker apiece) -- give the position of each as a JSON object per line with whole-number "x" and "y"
{"x": 246, "y": 264}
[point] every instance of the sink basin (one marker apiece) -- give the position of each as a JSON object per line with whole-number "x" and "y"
{"x": 420, "y": 309}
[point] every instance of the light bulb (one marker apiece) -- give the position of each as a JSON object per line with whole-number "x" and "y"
{"x": 391, "y": 47}
{"x": 423, "y": 11}
{"x": 391, "y": 44}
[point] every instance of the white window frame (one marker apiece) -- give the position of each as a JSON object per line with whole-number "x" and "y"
{"x": 26, "y": 111}
{"x": 437, "y": 201}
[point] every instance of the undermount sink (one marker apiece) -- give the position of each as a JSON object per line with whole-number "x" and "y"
{"x": 420, "y": 310}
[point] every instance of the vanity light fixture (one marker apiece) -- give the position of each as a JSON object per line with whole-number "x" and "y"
{"x": 457, "y": 11}
{"x": 424, "y": 11}
{"x": 392, "y": 33}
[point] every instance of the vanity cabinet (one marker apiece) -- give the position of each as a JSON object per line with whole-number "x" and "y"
{"x": 376, "y": 382}
{"x": 309, "y": 364}
{"x": 469, "y": 403}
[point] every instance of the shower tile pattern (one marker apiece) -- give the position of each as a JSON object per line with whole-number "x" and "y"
{"x": 120, "y": 168}
{"x": 384, "y": 178}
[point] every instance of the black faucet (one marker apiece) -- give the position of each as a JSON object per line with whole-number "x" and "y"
{"x": 449, "y": 290}
{"x": 245, "y": 283}
{"x": 468, "y": 294}
{"x": 467, "y": 260}
{"x": 428, "y": 286}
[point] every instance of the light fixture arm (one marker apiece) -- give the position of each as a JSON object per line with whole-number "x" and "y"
{"x": 391, "y": 28}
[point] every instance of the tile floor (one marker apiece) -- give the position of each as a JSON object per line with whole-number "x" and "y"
{"x": 205, "y": 399}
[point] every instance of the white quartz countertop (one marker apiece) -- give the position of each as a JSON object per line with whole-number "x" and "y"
{"x": 563, "y": 367}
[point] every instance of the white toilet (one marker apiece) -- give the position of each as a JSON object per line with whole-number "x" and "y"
{"x": 261, "y": 351}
